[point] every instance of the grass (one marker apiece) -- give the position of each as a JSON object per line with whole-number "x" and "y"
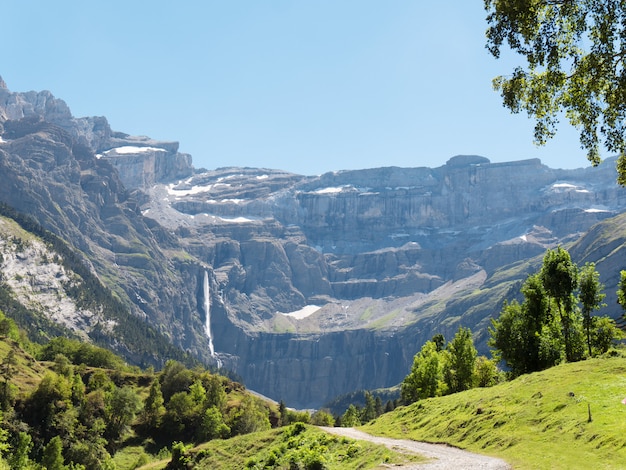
{"x": 296, "y": 446}
{"x": 28, "y": 371}
{"x": 131, "y": 457}
{"x": 367, "y": 314}
{"x": 538, "y": 421}
{"x": 384, "y": 321}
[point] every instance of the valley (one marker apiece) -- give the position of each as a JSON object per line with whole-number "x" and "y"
{"x": 217, "y": 261}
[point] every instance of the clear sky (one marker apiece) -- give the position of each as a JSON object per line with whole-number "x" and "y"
{"x": 304, "y": 86}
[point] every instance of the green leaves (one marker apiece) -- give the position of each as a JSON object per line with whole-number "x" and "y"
{"x": 575, "y": 52}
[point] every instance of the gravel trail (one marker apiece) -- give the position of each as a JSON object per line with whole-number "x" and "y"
{"x": 443, "y": 456}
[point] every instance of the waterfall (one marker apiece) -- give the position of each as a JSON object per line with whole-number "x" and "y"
{"x": 207, "y": 315}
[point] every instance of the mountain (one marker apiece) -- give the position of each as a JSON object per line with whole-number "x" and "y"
{"x": 307, "y": 287}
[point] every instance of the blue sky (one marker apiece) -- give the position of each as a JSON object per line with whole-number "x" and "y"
{"x": 304, "y": 86}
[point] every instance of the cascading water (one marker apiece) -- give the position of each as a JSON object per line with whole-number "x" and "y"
{"x": 207, "y": 316}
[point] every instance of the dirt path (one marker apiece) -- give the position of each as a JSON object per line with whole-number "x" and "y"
{"x": 443, "y": 456}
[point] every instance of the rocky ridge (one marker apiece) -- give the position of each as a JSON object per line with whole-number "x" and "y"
{"x": 316, "y": 285}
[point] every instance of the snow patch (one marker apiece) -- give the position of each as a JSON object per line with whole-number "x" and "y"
{"x": 329, "y": 190}
{"x": 262, "y": 177}
{"x": 172, "y": 191}
{"x": 130, "y": 149}
{"x": 303, "y": 312}
{"x": 236, "y": 220}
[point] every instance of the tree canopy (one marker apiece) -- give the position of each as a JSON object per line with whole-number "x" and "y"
{"x": 575, "y": 53}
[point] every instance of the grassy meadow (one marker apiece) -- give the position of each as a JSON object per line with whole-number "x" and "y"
{"x": 537, "y": 421}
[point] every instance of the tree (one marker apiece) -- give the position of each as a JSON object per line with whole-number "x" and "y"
{"x": 575, "y": 55}
{"x": 215, "y": 393}
{"x": 461, "y": 361}
{"x": 283, "y": 414}
{"x": 322, "y": 418}
{"x": 621, "y": 291}
{"x": 181, "y": 460}
{"x": 52, "y": 458}
{"x": 425, "y": 378}
{"x": 122, "y": 404}
{"x": 213, "y": 426}
{"x": 486, "y": 372}
{"x": 180, "y": 415}
{"x": 18, "y": 458}
{"x": 369, "y": 411}
{"x": 523, "y": 343}
{"x": 249, "y": 417}
{"x": 350, "y": 418}
{"x": 8, "y": 391}
{"x": 175, "y": 378}
{"x": 590, "y": 297}
{"x": 439, "y": 341}
{"x": 153, "y": 409}
{"x": 559, "y": 276}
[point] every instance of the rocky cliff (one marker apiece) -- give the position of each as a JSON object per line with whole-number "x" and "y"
{"x": 307, "y": 287}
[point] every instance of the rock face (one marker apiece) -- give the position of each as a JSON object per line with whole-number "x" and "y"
{"x": 316, "y": 286}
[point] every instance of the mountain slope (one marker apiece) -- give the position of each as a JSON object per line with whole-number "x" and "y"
{"x": 540, "y": 420}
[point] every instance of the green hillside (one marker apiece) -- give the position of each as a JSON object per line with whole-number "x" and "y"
{"x": 297, "y": 446}
{"x": 536, "y": 421}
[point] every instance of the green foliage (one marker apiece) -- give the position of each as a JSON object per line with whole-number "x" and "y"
{"x": 73, "y": 426}
{"x": 180, "y": 458}
{"x": 213, "y": 425}
{"x": 351, "y": 417}
{"x": 591, "y": 297}
{"x": 548, "y": 326}
{"x": 298, "y": 446}
{"x": 604, "y": 335}
{"x": 52, "y": 458}
{"x": 153, "y": 409}
{"x": 459, "y": 368}
{"x": 574, "y": 55}
{"x": 322, "y": 418}
{"x": 180, "y": 415}
{"x": 437, "y": 371}
{"x": 559, "y": 276}
{"x": 18, "y": 457}
{"x": 486, "y": 372}
{"x": 81, "y": 353}
{"x": 175, "y": 378}
{"x": 517, "y": 341}
{"x": 249, "y": 416}
{"x": 426, "y": 376}
{"x": 121, "y": 406}
{"x": 621, "y": 291}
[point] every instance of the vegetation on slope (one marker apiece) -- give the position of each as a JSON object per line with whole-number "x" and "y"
{"x": 130, "y": 336}
{"x": 569, "y": 416}
{"x": 79, "y": 405}
{"x": 297, "y": 446}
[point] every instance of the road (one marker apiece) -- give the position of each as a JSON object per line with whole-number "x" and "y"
{"x": 441, "y": 455}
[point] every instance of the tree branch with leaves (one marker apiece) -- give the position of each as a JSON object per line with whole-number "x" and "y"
{"x": 575, "y": 53}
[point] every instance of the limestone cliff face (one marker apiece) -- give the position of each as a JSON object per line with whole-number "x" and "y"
{"x": 141, "y": 161}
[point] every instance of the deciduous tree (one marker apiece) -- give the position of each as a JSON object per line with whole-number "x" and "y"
{"x": 426, "y": 378}
{"x": 621, "y": 290}
{"x": 575, "y": 53}
{"x": 461, "y": 361}
{"x": 559, "y": 276}
{"x": 591, "y": 297}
